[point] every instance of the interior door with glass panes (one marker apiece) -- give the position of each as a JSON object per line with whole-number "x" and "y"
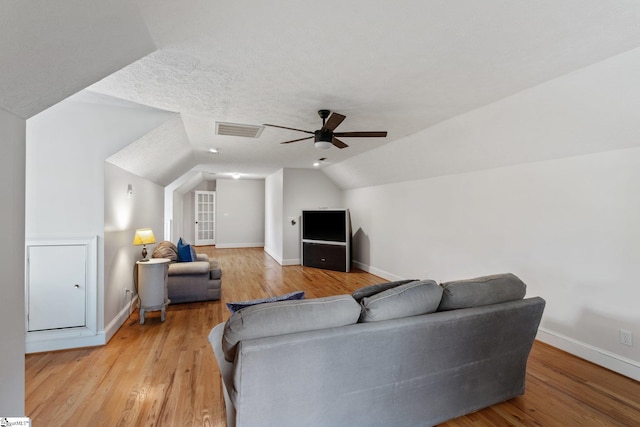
{"x": 205, "y": 221}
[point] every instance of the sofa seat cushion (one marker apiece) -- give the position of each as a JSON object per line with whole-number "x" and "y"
{"x": 481, "y": 291}
{"x": 183, "y": 268}
{"x": 370, "y": 290}
{"x": 286, "y": 317}
{"x": 408, "y": 299}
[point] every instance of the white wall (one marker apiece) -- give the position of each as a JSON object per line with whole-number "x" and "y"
{"x": 240, "y": 213}
{"x": 287, "y": 193}
{"x": 565, "y": 219}
{"x": 187, "y": 213}
{"x": 65, "y": 169}
{"x": 304, "y": 189}
{"x": 567, "y": 227}
{"x": 12, "y": 321}
{"x": 273, "y": 215}
{"x": 122, "y": 216}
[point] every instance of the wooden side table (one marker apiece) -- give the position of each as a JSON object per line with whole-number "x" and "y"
{"x": 152, "y": 286}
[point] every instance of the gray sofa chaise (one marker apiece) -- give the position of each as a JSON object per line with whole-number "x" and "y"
{"x": 411, "y": 353}
{"x": 194, "y": 281}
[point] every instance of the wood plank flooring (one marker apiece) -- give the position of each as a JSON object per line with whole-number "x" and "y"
{"x": 164, "y": 374}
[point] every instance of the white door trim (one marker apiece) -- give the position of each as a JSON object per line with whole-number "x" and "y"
{"x": 204, "y": 218}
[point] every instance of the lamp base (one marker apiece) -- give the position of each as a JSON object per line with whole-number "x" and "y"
{"x": 144, "y": 253}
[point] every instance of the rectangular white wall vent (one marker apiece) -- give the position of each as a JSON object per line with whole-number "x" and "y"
{"x": 235, "y": 129}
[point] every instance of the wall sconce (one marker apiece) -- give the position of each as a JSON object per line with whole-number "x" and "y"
{"x": 144, "y": 237}
{"x": 130, "y": 191}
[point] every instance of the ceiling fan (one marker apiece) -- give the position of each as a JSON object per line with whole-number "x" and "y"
{"x": 325, "y": 137}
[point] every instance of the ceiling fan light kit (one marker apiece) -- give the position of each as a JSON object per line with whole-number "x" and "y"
{"x": 324, "y": 137}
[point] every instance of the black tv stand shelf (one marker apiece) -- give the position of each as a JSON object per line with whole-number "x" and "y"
{"x": 326, "y": 239}
{"x": 331, "y": 256}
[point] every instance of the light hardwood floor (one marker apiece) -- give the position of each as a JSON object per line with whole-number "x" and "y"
{"x": 164, "y": 374}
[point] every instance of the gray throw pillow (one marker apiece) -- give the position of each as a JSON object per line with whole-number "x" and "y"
{"x": 409, "y": 299}
{"x": 480, "y": 291}
{"x": 235, "y": 306}
{"x": 286, "y": 317}
{"x": 370, "y": 290}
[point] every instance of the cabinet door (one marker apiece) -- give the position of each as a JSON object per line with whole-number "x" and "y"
{"x": 331, "y": 257}
{"x": 56, "y": 287}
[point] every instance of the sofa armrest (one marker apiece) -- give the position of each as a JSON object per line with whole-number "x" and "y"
{"x": 195, "y": 267}
{"x": 202, "y": 257}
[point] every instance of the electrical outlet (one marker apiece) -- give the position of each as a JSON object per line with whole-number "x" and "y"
{"x": 626, "y": 338}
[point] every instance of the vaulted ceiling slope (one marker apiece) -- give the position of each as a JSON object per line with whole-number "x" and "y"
{"x": 50, "y": 50}
{"x": 397, "y": 66}
{"x": 403, "y": 66}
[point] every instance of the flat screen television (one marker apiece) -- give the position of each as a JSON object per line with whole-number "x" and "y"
{"x": 329, "y": 225}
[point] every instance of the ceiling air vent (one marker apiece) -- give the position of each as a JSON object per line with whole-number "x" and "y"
{"x": 235, "y": 129}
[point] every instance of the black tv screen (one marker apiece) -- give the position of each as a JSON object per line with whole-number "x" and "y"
{"x": 325, "y": 225}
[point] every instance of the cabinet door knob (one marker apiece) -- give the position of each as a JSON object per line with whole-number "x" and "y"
{"x": 76, "y": 286}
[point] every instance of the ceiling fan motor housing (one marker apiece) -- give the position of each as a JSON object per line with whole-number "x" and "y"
{"x": 323, "y": 138}
{"x": 323, "y": 135}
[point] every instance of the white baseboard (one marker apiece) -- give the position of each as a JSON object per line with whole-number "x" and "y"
{"x": 627, "y": 367}
{"x": 62, "y": 339}
{"x": 273, "y": 255}
{"x": 376, "y": 271}
{"x": 113, "y": 326}
{"x": 238, "y": 245}
{"x": 283, "y": 262}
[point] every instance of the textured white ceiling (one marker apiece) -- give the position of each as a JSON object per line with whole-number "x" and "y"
{"x": 50, "y": 50}
{"x": 399, "y": 66}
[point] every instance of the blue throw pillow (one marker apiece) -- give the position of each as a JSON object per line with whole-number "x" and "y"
{"x": 186, "y": 253}
{"x": 235, "y": 306}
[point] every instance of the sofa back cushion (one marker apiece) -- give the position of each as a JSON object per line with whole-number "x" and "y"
{"x": 286, "y": 317}
{"x": 408, "y": 299}
{"x": 480, "y": 291}
{"x": 370, "y": 290}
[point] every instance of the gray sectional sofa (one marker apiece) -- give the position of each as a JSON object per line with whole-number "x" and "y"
{"x": 410, "y": 353}
{"x": 193, "y": 281}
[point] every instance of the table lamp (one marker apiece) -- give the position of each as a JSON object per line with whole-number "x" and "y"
{"x": 144, "y": 237}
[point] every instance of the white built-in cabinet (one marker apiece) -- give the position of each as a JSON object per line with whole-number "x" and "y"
{"x": 60, "y": 294}
{"x": 57, "y": 287}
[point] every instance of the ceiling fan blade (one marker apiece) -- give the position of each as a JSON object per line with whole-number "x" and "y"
{"x": 284, "y": 127}
{"x": 296, "y": 140}
{"x": 334, "y": 121}
{"x": 361, "y": 134}
{"x": 335, "y": 141}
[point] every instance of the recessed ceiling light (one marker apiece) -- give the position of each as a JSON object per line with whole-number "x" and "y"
{"x": 214, "y": 150}
{"x": 236, "y": 176}
{"x": 319, "y": 162}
